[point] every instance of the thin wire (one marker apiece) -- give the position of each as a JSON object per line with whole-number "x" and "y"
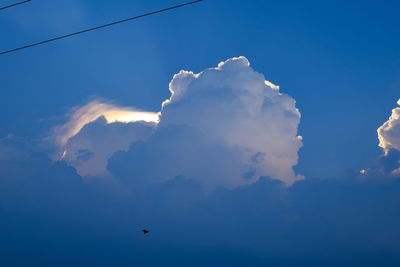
{"x": 99, "y": 27}
{"x": 15, "y": 4}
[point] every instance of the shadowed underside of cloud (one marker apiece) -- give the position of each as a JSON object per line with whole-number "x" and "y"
{"x": 179, "y": 150}
{"x": 51, "y": 217}
{"x": 89, "y": 150}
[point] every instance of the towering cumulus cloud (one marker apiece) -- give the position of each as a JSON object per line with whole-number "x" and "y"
{"x": 225, "y": 126}
{"x": 236, "y": 106}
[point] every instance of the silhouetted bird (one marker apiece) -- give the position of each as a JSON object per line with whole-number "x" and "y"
{"x": 145, "y": 231}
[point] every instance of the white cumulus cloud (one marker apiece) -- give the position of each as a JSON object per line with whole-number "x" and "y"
{"x": 237, "y": 126}
{"x": 234, "y": 105}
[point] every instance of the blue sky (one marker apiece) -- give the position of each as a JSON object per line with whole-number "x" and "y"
{"x": 339, "y": 60}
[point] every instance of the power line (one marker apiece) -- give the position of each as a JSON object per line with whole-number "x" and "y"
{"x": 15, "y": 4}
{"x": 99, "y": 27}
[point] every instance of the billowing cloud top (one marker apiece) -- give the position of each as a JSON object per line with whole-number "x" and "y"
{"x": 234, "y": 105}
{"x": 389, "y": 132}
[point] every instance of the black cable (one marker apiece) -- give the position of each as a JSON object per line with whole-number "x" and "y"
{"x": 19, "y": 3}
{"x": 99, "y": 27}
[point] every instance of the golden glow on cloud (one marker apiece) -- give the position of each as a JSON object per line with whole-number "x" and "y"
{"x": 94, "y": 110}
{"x": 127, "y": 116}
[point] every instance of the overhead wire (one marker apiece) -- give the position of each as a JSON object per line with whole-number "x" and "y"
{"x": 15, "y": 4}
{"x": 99, "y": 27}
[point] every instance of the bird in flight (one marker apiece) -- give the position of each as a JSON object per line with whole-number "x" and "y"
{"x": 145, "y": 231}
